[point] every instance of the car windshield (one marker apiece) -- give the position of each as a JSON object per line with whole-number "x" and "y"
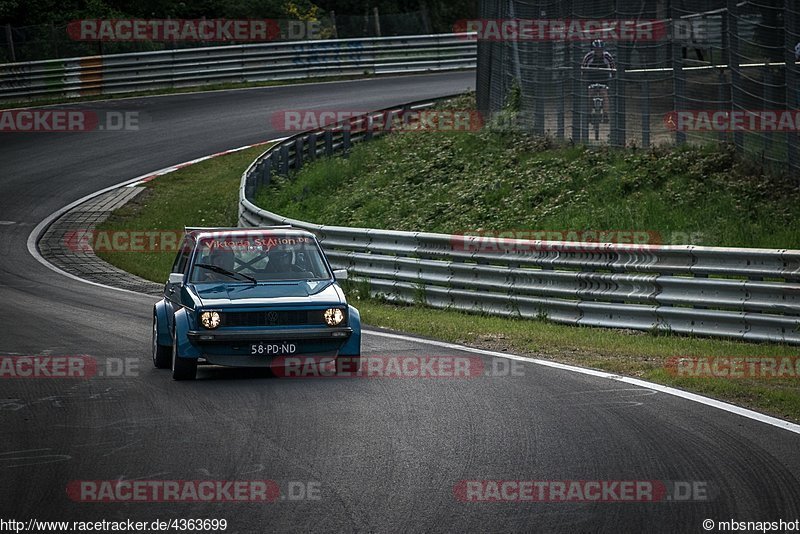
{"x": 261, "y": 257}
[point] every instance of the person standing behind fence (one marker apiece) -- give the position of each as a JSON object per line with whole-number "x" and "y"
{"x": 599, "y": 67}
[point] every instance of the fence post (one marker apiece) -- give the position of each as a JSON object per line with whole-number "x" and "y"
{"x": 723, "y": 98}
{"x": 733, "y": 65}
{"x": 426, "y": 19}
{"x": 377, "y": 21}
{"x": 766, "y": 104}
{"x": 578, "y": 101}
{"x": 791, "y": 76}
{"x": 561, "y": 104}
{"x": 645, "y": 100}
{"x": 678, "y": 83}
{"x": 515, "y": 49}
{"x": 10, "y": 41}
{"x": 54, "y": 38}
{"x": 618, "y": 122}
{"x": 333, "y": 24}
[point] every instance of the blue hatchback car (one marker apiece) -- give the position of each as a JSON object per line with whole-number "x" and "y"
{"x": 244, "y": 297}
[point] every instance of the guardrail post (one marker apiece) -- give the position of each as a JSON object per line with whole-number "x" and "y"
{"x": 368, "y": 125}
{"x": 274, "y": 162}
{"x": 266, "y": 177}
{"x": 256, "y": 175}
{"x": 346, "y": 139}
{"x": 329, "y": 143}
{"x": 285, "y": 160}
{"x": 249, "y": 186}
{"x": 312, "y": 146}
{"x": 298, "y": 153}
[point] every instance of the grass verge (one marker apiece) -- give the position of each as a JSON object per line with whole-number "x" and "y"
{"x": 205, "y": 195}
{"x": 459, "y": 182}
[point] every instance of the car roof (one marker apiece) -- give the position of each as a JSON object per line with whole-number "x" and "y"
{"x": 206, "y": 233}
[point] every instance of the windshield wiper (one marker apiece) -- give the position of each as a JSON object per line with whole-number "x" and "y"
{"x": 226, "y": 272}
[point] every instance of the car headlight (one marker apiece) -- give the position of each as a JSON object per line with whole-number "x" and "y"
{"x": 210, "y": 319}
{"x": 334, "y": 316}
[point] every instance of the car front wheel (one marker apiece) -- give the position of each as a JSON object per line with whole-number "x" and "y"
{"x": 161, "y": 353}
{"x": 182, "y": 368}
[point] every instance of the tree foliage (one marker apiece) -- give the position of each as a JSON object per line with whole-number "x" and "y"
{"x": 60, "y": 12}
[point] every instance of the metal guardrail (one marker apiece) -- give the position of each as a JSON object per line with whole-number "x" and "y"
{"x": 746, "y": 294}
{"x": 122, "y": 73}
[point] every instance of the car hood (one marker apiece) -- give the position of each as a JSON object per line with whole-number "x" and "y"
{"x": 302, "y": 292}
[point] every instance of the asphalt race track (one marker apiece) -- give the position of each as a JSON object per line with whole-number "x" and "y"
{"x": 377, "y": 455}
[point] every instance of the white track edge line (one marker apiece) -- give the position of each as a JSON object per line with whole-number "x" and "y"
{"x": 693, "y": 397}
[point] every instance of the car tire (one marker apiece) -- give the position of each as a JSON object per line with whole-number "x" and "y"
{"x": 162, "y": 356}
{"x": 182, "y": 368}
{"x": 348, "y": 365}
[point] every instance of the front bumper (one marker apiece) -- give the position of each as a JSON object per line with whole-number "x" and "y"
{"x": 247, "y": 360}
{"x": 340, "y": 333}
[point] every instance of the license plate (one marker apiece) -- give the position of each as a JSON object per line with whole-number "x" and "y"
{"x": 272, "y": 349}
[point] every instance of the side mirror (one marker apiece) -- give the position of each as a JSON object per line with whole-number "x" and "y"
{"x": 340, "y": 274}
{"x": 176, "y": 278}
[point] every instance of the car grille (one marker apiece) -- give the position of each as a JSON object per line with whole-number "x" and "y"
{"x": 274, "y": 318}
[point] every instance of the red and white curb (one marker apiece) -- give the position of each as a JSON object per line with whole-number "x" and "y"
{"x": 152, "y": 176}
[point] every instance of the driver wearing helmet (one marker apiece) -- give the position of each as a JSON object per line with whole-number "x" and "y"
{"x": 280, "y": 260}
